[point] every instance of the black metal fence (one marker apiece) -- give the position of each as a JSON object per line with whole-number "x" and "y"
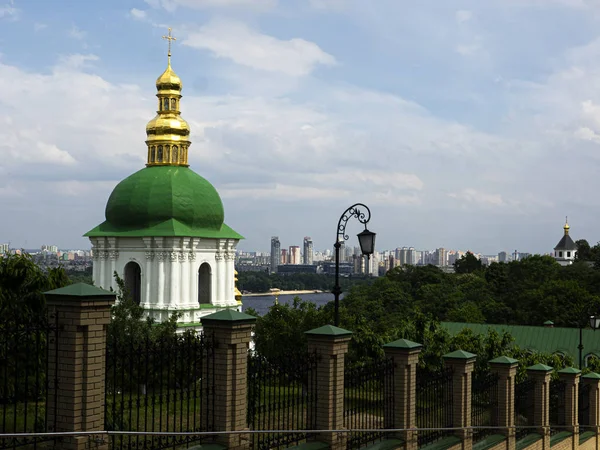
{"x": 484, "y": 404}
{"x": 24, "y": 381}
{"x": 434, "y": 407}
{"x": 557, "y": 406}
{"x": 369, "y": 401}
{"x": 524, "y": 407}
{"x": 163, "y": 384}
{"x": 584, "y": 404}
{"x": 282, "y": 395}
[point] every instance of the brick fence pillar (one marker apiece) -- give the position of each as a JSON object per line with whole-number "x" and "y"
{"x": 462, "y": 363}
{"x": 506, "y": 369}
{"x": 593, "y": 380}
{"x": 76, "y": 363}
{"x": 541, "y": 398}
{"x": 571, "y": 376}
{"x": 405, "y": 355}
{"x": 331, "y": 344}
{"x": 231, "y": 331}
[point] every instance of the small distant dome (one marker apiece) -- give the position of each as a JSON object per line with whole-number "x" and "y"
{"x": 169, "y": 80}
{"x": 566, "y": 227}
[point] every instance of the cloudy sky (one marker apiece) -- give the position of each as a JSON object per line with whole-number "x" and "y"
{"x": 466, "y": 124}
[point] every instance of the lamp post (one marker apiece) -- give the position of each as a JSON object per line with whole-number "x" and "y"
{"x": 366, "y": 239}
{"x": 594, "y": 325}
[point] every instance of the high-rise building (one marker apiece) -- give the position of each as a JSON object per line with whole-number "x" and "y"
{"x": 275, "y": 253}
{"x": 284, "y": 256}
{"x": 294, "y": 257}
{"x": 3, "y": 249}
{"x": 308, "y": 251}
{"x": 502, "y": 257}
{"x": 441, "y": 257}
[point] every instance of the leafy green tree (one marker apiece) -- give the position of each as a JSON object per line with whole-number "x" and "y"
{"x": 468, "y": 263}
{"x": 584, "y": 251}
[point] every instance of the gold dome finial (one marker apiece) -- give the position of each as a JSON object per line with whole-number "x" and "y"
{"x": 238, "y": 294}
{"x": 566, "y": 227}
{"x": 168, "y": 134}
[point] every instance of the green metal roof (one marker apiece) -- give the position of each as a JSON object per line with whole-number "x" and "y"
{"x": 164, "y": 201}
{"x": 329, "y": 330}
{"x": 229, "y": 315}
{"x": 80, "y": 290}
{"x": 541, "y": 339}
{"x": 403, "y": 344}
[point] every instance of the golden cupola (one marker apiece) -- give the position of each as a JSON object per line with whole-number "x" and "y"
{"x": 168, "y": 134}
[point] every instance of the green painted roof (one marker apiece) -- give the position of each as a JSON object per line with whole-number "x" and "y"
{"x": 329, "y": 330}
{"x": 570, "y": 370}
{"x": 592, "y": 376}
{"x": 404, "y": 344}
{"x": 540, "y": 368}
{"x": 504, "y": 360}
{"x": 541, "y": 339}
{"x": 229, "y": 315}
{"x": 459, "y": 354}
{"x": 164, "y": 201}
{"x": 80, "y": 290}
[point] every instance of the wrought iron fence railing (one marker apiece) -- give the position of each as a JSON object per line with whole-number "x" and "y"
{"x": 434, "y": 406}
{"x": 524, "y": 407}
{"x": 163, "y": 384}
{"x": 282, "y": 395}
{"x": 584, "y": 405}
{"x": 25, "y": 375}
{"x": 557, "y": 406}
{"x": 369, "y": 401}
{"x": 484, "y": 404}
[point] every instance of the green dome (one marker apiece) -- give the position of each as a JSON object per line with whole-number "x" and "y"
{"x": 164, "y": 201}
{"x": 156, "y": 194}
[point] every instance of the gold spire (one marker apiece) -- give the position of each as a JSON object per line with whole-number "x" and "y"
{"x": 168, "y": 134}
{"x": 566, "y": 227}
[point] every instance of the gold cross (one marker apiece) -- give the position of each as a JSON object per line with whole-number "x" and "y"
{"x": 169, "y": 38}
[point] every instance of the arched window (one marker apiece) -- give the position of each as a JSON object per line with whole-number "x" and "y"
{"x": 159, "y": 156}
{"x": 175, "y": 154}
{"x": 153, "y": 154}
{"x": 568, "y": 254}
{"x": 204, "y": 284}
{"x": 560, "y": 254}
{"x": 174, "y": 104}
{"x": 167, "y": 153}
{"x": 165, "y": 104}
{"x": 133, "y": 281}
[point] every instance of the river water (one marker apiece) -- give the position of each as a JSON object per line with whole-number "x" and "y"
{"x": 261, "y": 304}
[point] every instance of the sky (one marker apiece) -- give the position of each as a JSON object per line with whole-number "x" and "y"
{"x": 462, "y": 124}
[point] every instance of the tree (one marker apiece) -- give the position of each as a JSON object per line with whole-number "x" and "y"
{"x": 468, "y": 263}
{"x": 584, "y": 251}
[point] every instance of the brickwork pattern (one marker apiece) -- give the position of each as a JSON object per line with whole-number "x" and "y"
{"x": 77, "y": 359}
{"x": 506, "y": 400}
{"x": 405, "y": 392}
{"x": 541, "y": 414}
{"x": 330, "y": 387}
{"x": 232, "y": 341}
{"x": 463, "y": 371}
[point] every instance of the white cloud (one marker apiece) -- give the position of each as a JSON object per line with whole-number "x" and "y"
{"x": 172, "y": 5}
{"x": 9, "y": 11}
{"x": 336, "y": 5}
{"x": 77, "y": 33}
{"x": 463, "y": 15}
{"x": 237, "y": 42}
{"x": 39, "y": 26}
{"x": 138, "y": 14}
{"x": 479, "y": 197}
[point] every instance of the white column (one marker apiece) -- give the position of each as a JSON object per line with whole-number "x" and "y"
{"x": 113, "y": 255}
{"x": 174, "y": 265}
{"x": 147, "y": 273}
{"x": 184, "y": 284}
{"x": 161, "y": 255}
{"x": 193, "y": 280}
{"x": 101, "y": 269}
{"x": 228, "y": 294}
{"x": 219, "y": 280}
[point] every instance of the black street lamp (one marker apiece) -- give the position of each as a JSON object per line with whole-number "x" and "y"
{"x": 366, "y": 239}
{"x": 594, "y": 325}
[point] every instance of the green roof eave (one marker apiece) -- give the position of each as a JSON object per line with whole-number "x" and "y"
{"x": 229, "y": 315}
{"x": 168, "y": 228}
{"x": 328, "y": 330}
{"x": 504, "y": 360}
{"x": 540, "y": 368}
{"x": 459, "y": 354}
{"x": 403, "y": 344}
{"x": 80, "y": 290}
{"x": 592, "y": 376}
{"x": 569, "y": 371}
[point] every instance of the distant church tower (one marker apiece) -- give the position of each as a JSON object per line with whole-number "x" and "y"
{"x": 565, "y": 250}
{"x": 164, "y": 232}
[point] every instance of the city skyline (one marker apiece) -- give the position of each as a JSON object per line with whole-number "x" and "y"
{"x": 469, "y": 142}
